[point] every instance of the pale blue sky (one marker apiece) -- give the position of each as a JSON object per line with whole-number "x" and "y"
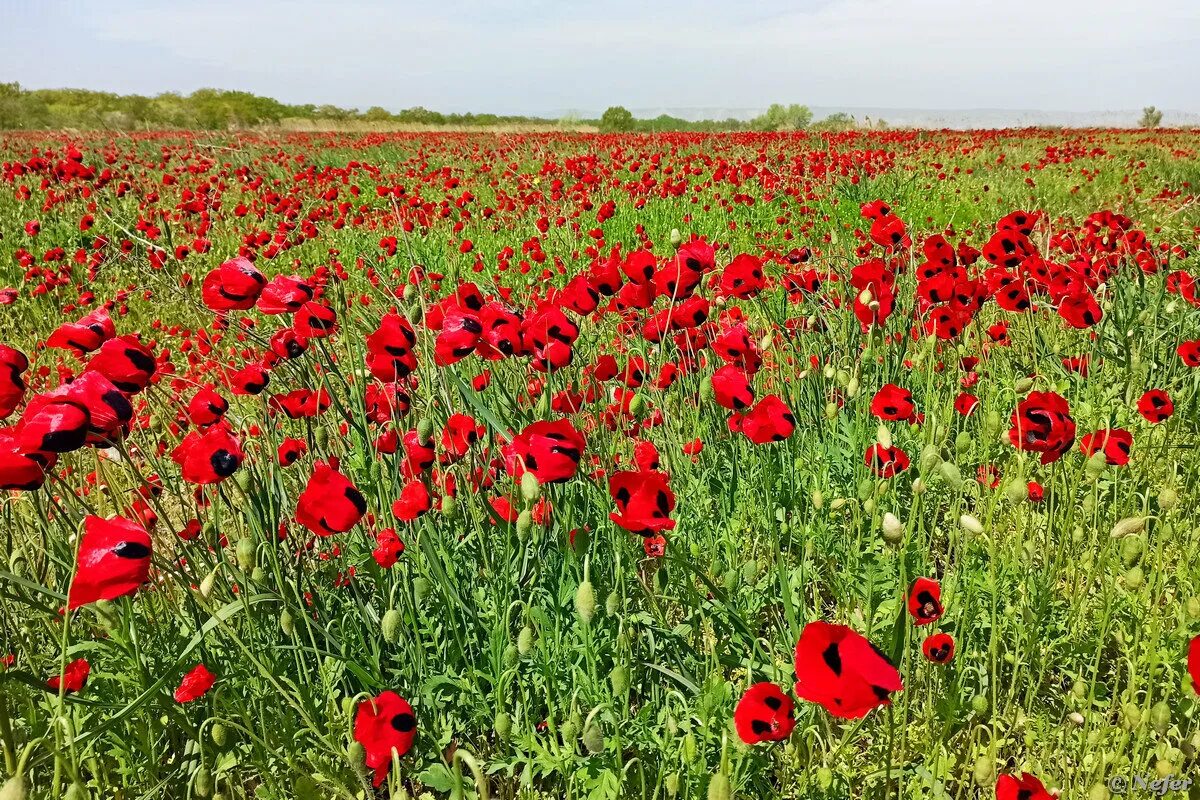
{"x": 538, "y": 56}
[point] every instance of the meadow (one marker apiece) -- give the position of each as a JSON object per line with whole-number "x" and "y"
{"x": 532, "y": 465}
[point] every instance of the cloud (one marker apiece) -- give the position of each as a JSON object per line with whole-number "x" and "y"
{"x": 542, "y": 56}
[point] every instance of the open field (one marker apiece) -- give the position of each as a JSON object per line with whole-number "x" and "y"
{"x": 431, "y": 465}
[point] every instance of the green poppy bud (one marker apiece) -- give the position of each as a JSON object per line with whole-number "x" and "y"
{"x": 511, "y": 656}
{"x": 421, "y": 588}
{"x": 245, "y": 554}
{"x": 502, "y": 724}
{"x": 818, "y": 499}
{"x": 585, "y": 602}
{"x": 286, "y": 623}
{"x": 356, "y": 754}
{"x": 984, "y": 771}
{"x": 424, "y": 429}
{"x": 824, "y": 778}
{"x": 76, "y": 791}
{"x": 450, "y": 507}
{"x": 525, "y": 640}
{"x": 14, "y": 789}
{"x": 1160, "y": 716}
{"x": 831, "y": 410}
{"x": 391, "y": 625}
{"x": 719, "y": 788}
{"x": 950, "y": 473}
{"x": 612, "y": 603}
{"x": 1017, "y": 491}
{"x": 202, "y": 782}
{"x": 1022, "y": 385}
{"x": 1134, "y": 578}
{"x": 531, "y": 490}
{"x": 1132, "y": 548}
{"x": 219, "y": 734}
{"x": 524, "y": 524}
{"x": 593, "y": 738}
{"x": 676, "y": 237}
{"x": 1168, "y": 498}
{"x": 671, "y": 783}
{"x": 619, "y": 678}
{"x": 893, "y": 529}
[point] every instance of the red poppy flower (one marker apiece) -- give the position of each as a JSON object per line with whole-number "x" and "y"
{"x": 697, "y": 256}
{"x": 893, "y": 403}
{"x": 249, "y": 380}
{"x": 1155, "y": 405}
{"x": 731, "y": 388}
{"x": 1193, "y": 663}
{"x": 938, "y": 648}
{"x": 388, "y": 547}
{"x": 383, "y": 725}
{"x": 644, "y": 502}
{"x": 1115, "y": 443}
{"x": 886, "y": 462}
{"x": 1026, "y": 787}
{"x": 206, "y": 406}
{"x": 764, "y": 714}
{"x": 414, "y": 501}
{"x": 743, "y": 277}
{"x": 549, "y": 450}
{"x": 291, "y": 450}
{"x": 209, "y": 456}
{"x": 21, "y": 468}
{"x": 233, "y": 286}
{"x": 113, "y": 561}
{"x": 73, "y": 678}
{"x": 330, "y": 503}
{"x": 85, "y": 335}
{"x": 125, "y": 362}
{"x": 12, "y": 386}
{"x": 1189, "y": 352}
{"x": 842, "y": 671}
{"x": 460, "y": 433}
{"x": 195, "y": 684}
{"x": 52, "y": 426}
{"x": 654, "y": 546}
{"x": 965, "y": 404}
{"x": 925, "y": 601}
{"x": 315, "y": 321}
{"x": 1042, "y": 424}
{"x": 285, "y": 294}
{"x": 769, "y": 421}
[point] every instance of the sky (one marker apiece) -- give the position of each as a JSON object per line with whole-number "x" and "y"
{"x": 544, "y": 57}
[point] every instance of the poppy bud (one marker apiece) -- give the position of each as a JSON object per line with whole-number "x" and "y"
{"x": 585, "y": 602}
{"x": 612, "y": 603}
{"x": 1128, "y": 527}
{"x": 719, "y": 788}
{"x": 305, "y": 788}
{"x": 356, "y": 754}
{"x": 818, "y": 499}
{"x": 838, "y": 504}
{"x": 502, "y": 724}
{"x": 1193, "y": 607}
{"x": 984, "y": 771}
{"x": 672, "y": 784}
{"x": 676, "y": 238}
{"x": 206, "y": 585}
{"x": 593, "y": 738}
{"x": 893, "y": 529}
{"x": 689, "y": 747}
{"x": 219, "y": 734}
{"x": 450, "y": 507}
{"x": 1131, "y": 715}
{"x": 1134, "y": 578}
{"x": 831, "y": 410}
{"x": 962, "y": 442}
{"x": 202, "y": 782}
{"x": 637, "y": 406}
{"x": 869, "y": 506}
{"x": 852, "y": 387}
{"x": 619, "y": 678}
{"x": 883, "y": 436}
{"x": 971, "y": 524}
{"x": 421, "y": 588}
{"x": 391, "y": 626}
{"x": 706, "y": 389}
{"x": 1017, "y": 491}
{"x": 918, "y": 486}
{"x": 245, "y": 554}
{"x": 410, "y": 292}
{"x": 950, "y": 474}
{"x": 525, "y": 640}
{"x": 106, "y": 614}
{"x": 1168, "y": 498}
{"x": 1160, "y": 716}
{"x": 531, "y": 490}
{"x": 865, "y": 297}
{"x": 931, "y": 459}
{"x": 511, "y": 656}
{"x": 322, "y": 438}
{"x": 286, "y": 623}
{"x": 1022, "y": 385}
{"x": 829, "y": 372}
{"x": 14, "y": 789}
{"x": 1131, "y": 550}
{"x": 843, "y": 377}
{"x": 76, "y": 791}
{"x": 524, "y": 524}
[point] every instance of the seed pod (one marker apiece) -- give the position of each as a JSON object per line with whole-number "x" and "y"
{"x": 893, "y": 528}
{"x": 971, "y": 524}
{"x": 719, "y": 788}
{"x": 391, "y": 625}
{"x": 1129, "y": 526}
{"x": 593, "y": 738}
{"x": 502, "y": 724}
{"x": 245, "y": 554}
{"x": 202, "y": 782}
{"x": 525, "y": 640}
{"x": 585, "y": 602}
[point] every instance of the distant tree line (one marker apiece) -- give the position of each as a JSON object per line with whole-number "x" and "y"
{"x": 217, "y": 109}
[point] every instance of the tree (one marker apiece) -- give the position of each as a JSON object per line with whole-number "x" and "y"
{"x": 377, "y": 114}
{"x": 779, "y": 117}
{"x": 616, "y": 119}
{"x": 1151, "y": 117}
{"x": 839, "y": 121}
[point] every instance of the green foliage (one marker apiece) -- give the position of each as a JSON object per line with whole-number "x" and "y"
{"x": 616, "y": 119}
{"x": 783, "y": 118}
{"x": 1151, "y": 117}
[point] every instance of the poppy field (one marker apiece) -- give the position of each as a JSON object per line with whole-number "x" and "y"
{"x": 853, "y": 464}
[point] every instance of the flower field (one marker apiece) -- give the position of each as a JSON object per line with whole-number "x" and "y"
{"x": 859, "y": 464}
